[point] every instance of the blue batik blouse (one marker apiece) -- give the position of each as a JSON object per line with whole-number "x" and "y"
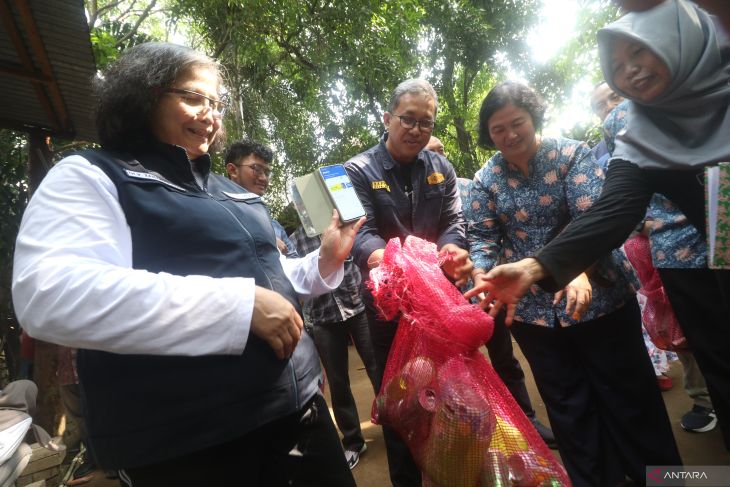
{"x": 513, "y": 216}
{"x": 675, "y": 242}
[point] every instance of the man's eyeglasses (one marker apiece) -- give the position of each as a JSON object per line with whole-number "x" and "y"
{"x": 257, "y": 169}
{"x": 199, "y": 101}
{"x": 407, "y": 122}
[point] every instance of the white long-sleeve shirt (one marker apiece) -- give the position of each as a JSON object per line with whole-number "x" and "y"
{"x": 73, "y": 281}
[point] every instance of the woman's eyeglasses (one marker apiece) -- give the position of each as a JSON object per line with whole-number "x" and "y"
{"x": 199, "y": 101}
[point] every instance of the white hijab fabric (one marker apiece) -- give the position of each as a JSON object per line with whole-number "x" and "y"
{"x": 688, "y": 125}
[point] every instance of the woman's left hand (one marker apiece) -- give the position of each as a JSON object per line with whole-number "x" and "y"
{"x": 459, "y": 265}
{"x": 337, "y": 242}
{"x": 578, "y": 294}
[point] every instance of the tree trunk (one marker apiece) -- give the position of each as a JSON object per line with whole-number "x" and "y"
{"x": 49, "y": 407}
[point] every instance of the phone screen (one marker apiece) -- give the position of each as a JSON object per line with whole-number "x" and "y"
{"x": 343, "y": 194}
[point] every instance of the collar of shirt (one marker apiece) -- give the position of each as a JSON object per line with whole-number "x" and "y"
{"x": 172, "y": 162}
{"x": 387, "y": 160}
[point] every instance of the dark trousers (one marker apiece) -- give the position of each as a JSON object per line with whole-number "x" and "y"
{"x": 302, "y": 449}
{"x": 508, "y": 368}
{"x": 701, "y": 301}
{"x": 331, "y": 340}
{"x": 602, "y": 397}
{"x": 403, "y": 470}
{"x": 71, "y": 398}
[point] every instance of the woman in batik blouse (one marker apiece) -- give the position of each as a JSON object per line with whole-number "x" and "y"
{"x": 584, "y": 344}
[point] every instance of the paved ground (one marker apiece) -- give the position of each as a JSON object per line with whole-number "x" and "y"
{"x": 372, "y": 471}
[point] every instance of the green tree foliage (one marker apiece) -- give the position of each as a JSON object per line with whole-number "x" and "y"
{"x": 312, "y": 77}
{"x": 13, "y": 199}
{"x": 575, "y": 61}
{"x": 107, "y": 43}
{"x": 578, "y": 58}
{"x": 464, "y": 38}
{"x": 116, "y": 25}
{"x": 309, "y": 77}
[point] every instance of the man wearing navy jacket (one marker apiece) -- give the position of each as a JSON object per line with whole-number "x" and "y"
{"x": 406, "y": 190}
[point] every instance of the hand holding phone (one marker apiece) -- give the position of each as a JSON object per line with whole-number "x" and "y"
{"x": 337, "y": 241}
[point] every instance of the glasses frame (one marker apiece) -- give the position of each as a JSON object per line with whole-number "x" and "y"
{"x": 217, "y": 106}
{"x": 257, "y": 169}
{"x": 420, "y": 123}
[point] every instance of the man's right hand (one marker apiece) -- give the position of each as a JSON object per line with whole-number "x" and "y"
{"x": 276, "y": 321}
{"x": 375, "y": 258}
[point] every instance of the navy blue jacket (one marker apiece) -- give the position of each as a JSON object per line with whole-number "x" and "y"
{"x": 144, "y": 409}
{"x": 432, "y": 212}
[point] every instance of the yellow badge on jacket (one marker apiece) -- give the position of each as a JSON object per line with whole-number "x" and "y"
{"x": 435, "y": 178}
{"x": 382, "y": 185}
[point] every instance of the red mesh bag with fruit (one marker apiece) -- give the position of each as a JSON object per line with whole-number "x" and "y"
{"x": 439, "y": 392}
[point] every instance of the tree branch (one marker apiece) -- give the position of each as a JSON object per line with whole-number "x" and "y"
{"x": 371, "y": 100}
{"x": 136, "y": 25}
{"x": 122, "y": 15}
{"x": 298, "y": 55}
{"x": 93, "y": 8}
{"x": 100, "y": 11}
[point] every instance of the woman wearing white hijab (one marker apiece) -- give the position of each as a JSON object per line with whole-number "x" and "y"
{"x": 674, "y": 65}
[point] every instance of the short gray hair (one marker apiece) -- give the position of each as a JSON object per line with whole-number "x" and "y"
{"x": 413, "y": 87}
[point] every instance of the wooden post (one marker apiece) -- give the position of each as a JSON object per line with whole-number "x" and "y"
{"x": 40, "y": 158}
{"x": 48, "y": 408}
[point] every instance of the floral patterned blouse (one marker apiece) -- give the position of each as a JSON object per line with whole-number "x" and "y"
{"x": 513, "y": 216}
{"x": 675, "y": 243}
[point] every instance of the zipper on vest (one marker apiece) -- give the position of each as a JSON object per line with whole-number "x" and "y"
{"x": 205, "y": 191}
{"x": 290, "y": 364}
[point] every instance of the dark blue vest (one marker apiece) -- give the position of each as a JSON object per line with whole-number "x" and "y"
{"x": 143, "y": 409}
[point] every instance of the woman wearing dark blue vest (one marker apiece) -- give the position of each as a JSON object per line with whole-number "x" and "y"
{"x": 193, "y": 363}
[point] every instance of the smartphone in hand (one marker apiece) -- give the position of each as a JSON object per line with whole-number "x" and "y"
{"x": 339, "y": 188}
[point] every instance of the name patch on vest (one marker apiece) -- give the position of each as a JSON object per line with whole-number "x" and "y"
{"x": 381, "y": 185}
{"x": 240, "y": 196}
{"x": 154, "y": 177}
{"x": 435, "y": 178}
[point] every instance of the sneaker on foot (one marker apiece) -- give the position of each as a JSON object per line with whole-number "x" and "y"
{"x": 700, "y": 419}
{"x": 353, "y": 456}
{"x": 545, "y": 433}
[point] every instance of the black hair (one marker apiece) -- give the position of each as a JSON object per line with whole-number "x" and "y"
{"x": 129, "y": 90}
{"x": 242, "y": 148}
{"x": 518, "y": 94}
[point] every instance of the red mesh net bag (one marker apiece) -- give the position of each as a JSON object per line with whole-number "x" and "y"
{"x": 439, "y": 392}
{"x": 657, "y": 314}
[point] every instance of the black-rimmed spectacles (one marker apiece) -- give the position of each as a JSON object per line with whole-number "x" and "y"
{"x": 257, "y": 169}
{"x": 409, "y": 122}
{"x": 199, "y": 101}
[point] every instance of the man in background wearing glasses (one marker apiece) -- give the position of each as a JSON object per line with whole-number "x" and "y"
{"x": 406, "y": 190}
{"x": 248, "y": 163}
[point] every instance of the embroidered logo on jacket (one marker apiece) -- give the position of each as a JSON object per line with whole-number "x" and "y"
{"x": 381, "y": 185}
{"x": 435, "y": 178}
{"x": 240, "y": 196}
{"x": 154, "y": 177}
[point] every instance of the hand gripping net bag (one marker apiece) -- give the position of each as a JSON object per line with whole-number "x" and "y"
{"x": 439, "y": 392}
{"x": 657, "y": 314}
